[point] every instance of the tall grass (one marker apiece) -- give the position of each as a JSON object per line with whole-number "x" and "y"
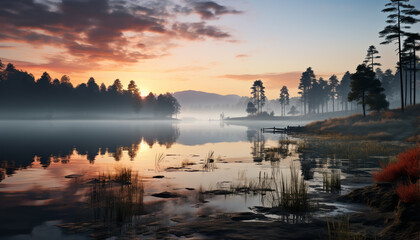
{"x": 117, "y": 197}
{"x": 291, "y": 193}
{"x": 331, "y": 181}
{"x": 261, "y": 185}
{"x": 209, "y": 164}
{"x": 340, "y": 230}
{"x": 158, "y": 160}
{"x": 123, "y": 175}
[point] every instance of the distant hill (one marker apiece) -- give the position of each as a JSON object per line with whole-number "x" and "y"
{"x": 191, "y": 97}
{"x": 211, "y": 103}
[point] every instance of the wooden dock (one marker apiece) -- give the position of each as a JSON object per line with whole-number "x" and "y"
{"x": 288, "y": 129}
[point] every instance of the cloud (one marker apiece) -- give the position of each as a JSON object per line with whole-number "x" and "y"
{"x": 55, "y": 64}
{"x": 6, "y": 47}
{"x": 198, "y": 30}
{"x": 107, "y": 30}
{"x": 211, "y": 10}
{"x": 242, "y": 56}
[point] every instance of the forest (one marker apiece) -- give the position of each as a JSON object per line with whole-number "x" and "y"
{"x": 368, "y": 86}
{"x": 21, "y": 96}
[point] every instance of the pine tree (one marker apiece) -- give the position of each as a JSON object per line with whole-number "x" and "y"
{"x": 366, "y": 89}
{"x": 258, "y": 95}
{"x": 400, "y": 16}
{"x": 284, "y": 99}
{"x": 305, "y": 84}
{"x": 333, "y": 83}
{"x": 370, "y": 57}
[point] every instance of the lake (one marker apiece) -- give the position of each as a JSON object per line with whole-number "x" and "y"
{"x": 52, "y": 174}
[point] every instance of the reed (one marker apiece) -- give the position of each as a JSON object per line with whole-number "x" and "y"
{"x": 158, "y": 160}
{"x": 261, "y": 185}
{"x": 122, "y": 175}
{"x": 209, "y": 164}
{"x": 293, "y": 192}
{"x": 331, "y": 181}
{"x": 340, "y": 230}
{"x": 117, "y": 197}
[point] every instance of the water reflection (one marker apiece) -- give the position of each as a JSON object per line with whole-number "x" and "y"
{"x": 25, "y": 142}
{"x": 243, "y": 163}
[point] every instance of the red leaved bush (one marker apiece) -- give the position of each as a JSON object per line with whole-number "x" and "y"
{"x": 405, "y": 172}
{"x": 406, "y": 168}
{"x": 409, "y": 193}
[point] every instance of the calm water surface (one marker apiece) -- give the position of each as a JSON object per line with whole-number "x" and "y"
{"x": 36, "y": 157}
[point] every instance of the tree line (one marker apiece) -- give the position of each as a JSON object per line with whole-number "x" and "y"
{"x": 367, "y": 86}
{"x": 20, "y": 94}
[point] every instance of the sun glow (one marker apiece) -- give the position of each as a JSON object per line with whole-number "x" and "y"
{"x": 144, "y": 92}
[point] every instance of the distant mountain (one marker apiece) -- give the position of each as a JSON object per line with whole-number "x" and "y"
{"x": 194, "y": 99}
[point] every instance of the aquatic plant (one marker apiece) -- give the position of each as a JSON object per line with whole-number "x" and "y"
{"x": 114, "y": 199}
{"x": 186, "y": 162}
{"x": 158, "y": 159}
{"x": 123, "y": 175}
{"x": 340, "y": 230}
{"x": 209, "y": 163}
{"x": 331, "y": 181}
{"x": 291, "y": 193}
{"x": 261, "y": 185}
{"x": 407, "y": 168}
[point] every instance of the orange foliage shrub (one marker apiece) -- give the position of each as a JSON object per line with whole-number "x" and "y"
{"x": 406, "y": 168}
{"x": 409, "y": 193}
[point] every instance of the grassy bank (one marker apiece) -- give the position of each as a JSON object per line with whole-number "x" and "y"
{"x": 388, "y": 125}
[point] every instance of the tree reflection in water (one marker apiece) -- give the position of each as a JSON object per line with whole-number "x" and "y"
{"x": 26, "y": 142}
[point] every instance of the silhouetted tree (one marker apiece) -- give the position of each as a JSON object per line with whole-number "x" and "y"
{"x": 102, "y": 88}
{"x": 251, "y": 109}
{"x": 388, "y": 82}
{"x": 360, "y": 84}
{"x": 10, "y": 68}
{"x": 376, "y": 99}
{"x": 133, "y": 89}
{"x": 293, "y": 111}
{"x": 21, "y": 95}
{"x": 167, "y": 105}
{"x": 116, "y": 87}
{"x": 1, "y": 65}
{"x": 410, "y": 45}
{"x": 323, "y": 94}
{"x": 305, "y": 84}
{"x": 44, "y": 82}
{"x": 400, "y": 16}
{"x": 56, "y": 82}
{"x": 343, "y": 89}
{"x": 150, "y": 102}
{"x": 313, "y": 96}
{"x": 366, "y": 89}
{"x": 284, "y": 99}
{"x": 333, "y": 83}
{"x": 65, "y": 81}
{"x": 370, "y": 57}
{"x": 258, "y": 95}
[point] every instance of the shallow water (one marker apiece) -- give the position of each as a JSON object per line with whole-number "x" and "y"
{"x": 36, "y": 157}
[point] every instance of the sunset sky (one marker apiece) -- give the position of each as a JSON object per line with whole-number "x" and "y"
{"x": 174, "y": 45}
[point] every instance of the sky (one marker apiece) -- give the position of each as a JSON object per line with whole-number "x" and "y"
{"x": 175, "y": 45}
